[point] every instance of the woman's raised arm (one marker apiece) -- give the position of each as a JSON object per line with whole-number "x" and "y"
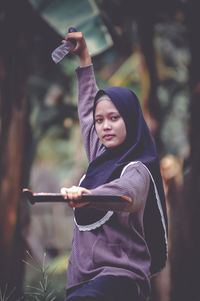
{"x": 87, "y": 90}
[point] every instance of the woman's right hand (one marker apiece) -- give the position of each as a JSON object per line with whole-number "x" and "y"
{"x": 81, "y": 48}
{"x": 73, "y": 194}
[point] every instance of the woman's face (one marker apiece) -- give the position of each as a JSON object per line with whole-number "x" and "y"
{"x": 109, "y": 124}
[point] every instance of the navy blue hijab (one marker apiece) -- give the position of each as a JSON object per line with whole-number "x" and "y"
{"x": 138, "y": 146}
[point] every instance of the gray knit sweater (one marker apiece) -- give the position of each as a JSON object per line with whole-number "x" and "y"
{"x": 117, "y": 247}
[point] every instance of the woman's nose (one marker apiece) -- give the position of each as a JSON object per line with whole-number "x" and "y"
{"x": 106, "y": 125}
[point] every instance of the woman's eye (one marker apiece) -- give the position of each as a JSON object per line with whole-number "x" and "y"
{"x": 98, "y": 120}
{"x": 115, "y": 117}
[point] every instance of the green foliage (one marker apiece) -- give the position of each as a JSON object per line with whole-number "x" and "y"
{"x": 83, "y": 15}
{"x": 44, "y": 290}
{"x": 6, "y": 295}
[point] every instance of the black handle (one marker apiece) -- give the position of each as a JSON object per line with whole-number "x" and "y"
{"x": 57, "y": 197}
{"x": 72, "y": 29}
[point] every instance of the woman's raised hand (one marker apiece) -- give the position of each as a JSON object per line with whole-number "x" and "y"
{"x": 74, "y": 194}
{"x": 80, "y": 49}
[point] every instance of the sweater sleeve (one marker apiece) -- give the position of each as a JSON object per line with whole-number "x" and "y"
{"x": 87, "y": 90}
{"x": 134, "y": 183}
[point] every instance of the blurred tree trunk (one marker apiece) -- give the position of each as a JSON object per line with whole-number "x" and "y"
{"x": 172, "y": 173}
{"x": 152, "y": 114}
{"x": 13, "y": 106}
{"x": 150, "y": 103}
{"x": 186, "y": 267}
{"x": 19, "y": 25}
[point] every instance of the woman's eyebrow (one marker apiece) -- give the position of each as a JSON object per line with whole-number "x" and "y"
{"x": 107, "y": 113}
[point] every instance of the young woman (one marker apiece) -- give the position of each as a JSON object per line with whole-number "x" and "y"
{"x": 115, "y": 248}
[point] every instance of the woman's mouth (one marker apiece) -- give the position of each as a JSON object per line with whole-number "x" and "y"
{"x": 108, "y": 137}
